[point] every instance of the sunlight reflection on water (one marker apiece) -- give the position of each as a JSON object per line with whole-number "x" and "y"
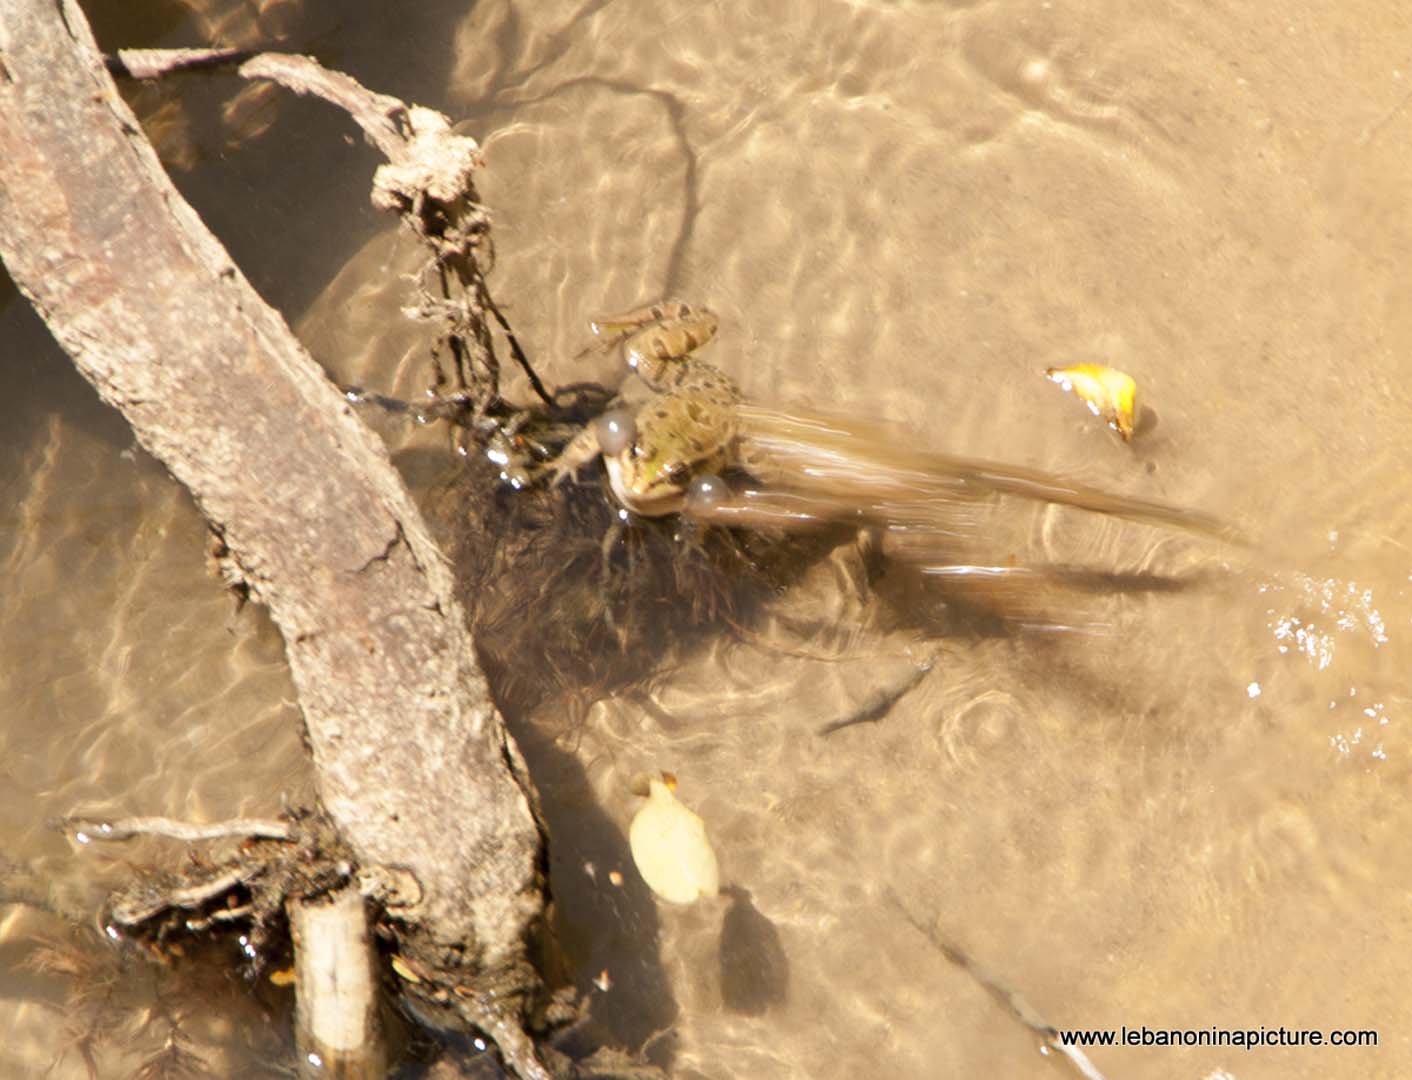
{"x": 906, "y": 212}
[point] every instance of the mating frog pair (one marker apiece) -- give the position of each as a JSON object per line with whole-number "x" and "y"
{"x": 662, "y": 454}
{"x": 686, "y": 429}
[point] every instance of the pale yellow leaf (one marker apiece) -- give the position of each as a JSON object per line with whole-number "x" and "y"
{"x": 670, "y": 848}
{"x": 1108, "y": 392}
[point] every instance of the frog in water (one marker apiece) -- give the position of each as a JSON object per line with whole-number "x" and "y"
{"x": 684, "y": 429}
{"x": 663, "y": 453}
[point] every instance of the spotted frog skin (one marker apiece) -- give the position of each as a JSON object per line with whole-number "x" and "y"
{"x": 685, "y": 428}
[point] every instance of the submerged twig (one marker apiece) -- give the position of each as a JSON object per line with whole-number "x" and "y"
{"x": 1008, "y": 999}
{"x": 21, "y": 884}
{"x": 174, "y": 1061}
{"x": 515, "y": 350}
{"x": 86, "y": 829}
{"x": 144, "y": 903}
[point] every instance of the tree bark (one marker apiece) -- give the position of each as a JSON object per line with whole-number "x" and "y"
{"x": 414, "y": 764}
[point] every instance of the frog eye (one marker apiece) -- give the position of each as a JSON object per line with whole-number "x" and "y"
{"x": 616, "y": 431}
{"x": 676, "y": 472}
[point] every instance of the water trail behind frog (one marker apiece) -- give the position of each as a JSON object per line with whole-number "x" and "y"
{"x": 955, "y": 527}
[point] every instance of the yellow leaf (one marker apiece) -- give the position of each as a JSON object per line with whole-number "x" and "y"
{"x": 1108, "y": 392}
{"x": 404, "y": 968}
{"x": 670, "y": 848}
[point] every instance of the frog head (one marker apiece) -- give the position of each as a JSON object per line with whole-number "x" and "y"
{"x": 652, "y": 456}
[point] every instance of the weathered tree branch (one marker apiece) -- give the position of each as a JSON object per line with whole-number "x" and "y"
{"x": 413, "y": 763}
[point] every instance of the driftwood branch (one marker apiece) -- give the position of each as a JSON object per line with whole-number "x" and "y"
{"x": 381, "y": 117}
{"x": 413, "y": 762}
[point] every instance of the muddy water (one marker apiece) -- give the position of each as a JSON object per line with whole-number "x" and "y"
{"x": 905, "y": 210}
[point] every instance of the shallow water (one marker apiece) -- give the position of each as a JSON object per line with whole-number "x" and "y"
{"x": 906, "y": 211}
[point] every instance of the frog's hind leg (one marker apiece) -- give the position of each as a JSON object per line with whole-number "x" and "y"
{"x": 618, "y": 326}
{"x": 611, "y": 331}
{"x": 654, "y": 339}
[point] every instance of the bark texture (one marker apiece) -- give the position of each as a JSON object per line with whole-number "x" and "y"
{"x": 414, "y": 764}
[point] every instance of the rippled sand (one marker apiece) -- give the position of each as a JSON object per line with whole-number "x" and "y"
{"x": 906, "y": 211}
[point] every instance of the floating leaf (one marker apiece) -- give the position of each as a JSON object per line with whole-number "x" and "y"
{"x": 670, "y": 848}
{"x": 1108, "y": 392}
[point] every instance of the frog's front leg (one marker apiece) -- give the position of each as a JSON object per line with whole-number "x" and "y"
{"x": 579, "y": 451}
{"x": 608, "y": 434}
